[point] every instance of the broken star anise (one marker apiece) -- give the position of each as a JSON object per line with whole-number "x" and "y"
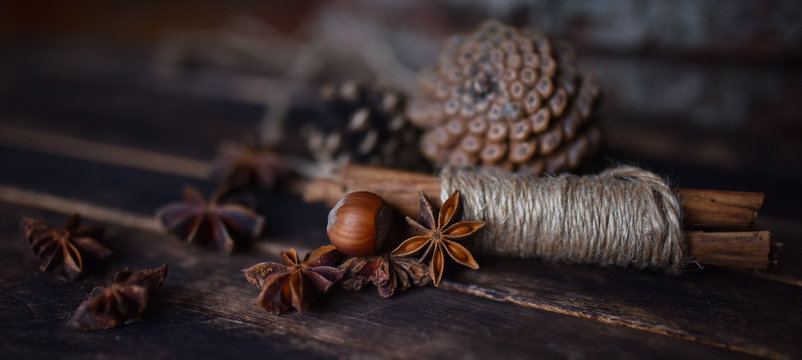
{"x": 225, "y": 226}
{"x": 248, "y": 165}
{"x": 60, "y": 249}
{"x": 440, "y": 236}
{"x": 389, "y": 273}
{"x": 124, "y": 300}
{"x": 295, "y": 283}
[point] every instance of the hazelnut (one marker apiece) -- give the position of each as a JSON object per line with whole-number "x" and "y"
{"x": 359, "y": 224}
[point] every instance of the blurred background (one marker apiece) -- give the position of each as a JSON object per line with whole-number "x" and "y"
{"x": 707, "y": 92}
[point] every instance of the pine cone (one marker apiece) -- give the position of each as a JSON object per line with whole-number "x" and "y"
{"x": 506, "y": 98}
{"x": 364, "y": 124}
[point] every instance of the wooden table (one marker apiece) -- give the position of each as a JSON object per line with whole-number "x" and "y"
{"x": 95, "y": 130}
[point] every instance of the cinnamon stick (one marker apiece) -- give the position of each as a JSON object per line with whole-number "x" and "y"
{"x": 749, "y": 200}
{"x": 742, "y": 249}
{"x": 702, "y": 209}
{"x": 719, "y": 209}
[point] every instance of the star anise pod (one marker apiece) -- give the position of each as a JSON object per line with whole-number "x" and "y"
{"x": 440, "y": 236}
{"x": 60, "y": 249}
{"x": 248, "y": 165}
{"x": 214, "y": 224}
{"x": 389, "y": 273}
{"x": 295, "y": 283}
{"x": 124, "y": 300}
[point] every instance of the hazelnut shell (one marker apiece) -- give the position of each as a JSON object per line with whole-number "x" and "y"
{"x": 359, "y": 224}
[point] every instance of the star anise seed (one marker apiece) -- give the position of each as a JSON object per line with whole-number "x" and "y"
{"x": 125, "y": 299}
{"x": 60, "y": 249}
{"x": 224, "y": 226}
{"x": 389, "y": 273}
{"x": 359, "y": 271}
{"x": 295, "y": 283}
{"x": 248, "y": 165}
{"x": 439, "y": 237}
{"x": 398, "y": 274}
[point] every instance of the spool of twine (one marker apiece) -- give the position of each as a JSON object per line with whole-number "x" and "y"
{"x": 623, "y": 216}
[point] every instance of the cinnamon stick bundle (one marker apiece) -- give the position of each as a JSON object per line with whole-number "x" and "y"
{"x": 715, "y": 220}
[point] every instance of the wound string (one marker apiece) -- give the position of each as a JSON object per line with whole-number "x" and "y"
{"x": 623, "y": 216}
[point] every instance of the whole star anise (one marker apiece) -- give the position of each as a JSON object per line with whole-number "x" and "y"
{"x": 213, "y": 224}
{"x": 294, "y": 283}
{"x": 440, "y": 236}
{"x": 125, "y": 299}
{"x": 389, "y": 273}
{"x": 248, "y": 165}
{"x": 60, "y": 249}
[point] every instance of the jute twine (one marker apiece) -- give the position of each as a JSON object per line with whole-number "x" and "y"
{"x": 623, "y": 216}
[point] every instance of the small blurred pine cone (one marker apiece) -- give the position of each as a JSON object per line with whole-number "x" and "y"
{"x": 365, "y": 124}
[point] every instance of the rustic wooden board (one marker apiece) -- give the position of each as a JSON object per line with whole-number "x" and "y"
{"x": 104, "y": 184}
{"x": 709, "y": 306}
{"x": 142, "y": 192}
{"x": 92, "y": 104}
{"x": 511, "y": 307}
{"x": 717, "y": 307}
{"x": 206, "y": 310}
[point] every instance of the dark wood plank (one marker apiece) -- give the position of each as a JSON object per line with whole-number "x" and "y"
{"x": 126, "y": 188}
{"x": 711, "y": 160}
{"x": 710, "y": 306}
{"x": 142, "y": 192}
{"x": 206, "y": 310}
{"x": 787, "y": 233}
{"x": 123, "y": 103}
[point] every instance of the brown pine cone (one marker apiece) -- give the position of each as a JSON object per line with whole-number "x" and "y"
{"x": 506, "y": 98}
{"x": 364, "y": 124}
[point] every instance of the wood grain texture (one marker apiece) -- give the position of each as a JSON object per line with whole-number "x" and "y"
{"x": 73, "y": 147}
{"x": 206, "y": 309}
{"x": 714, "y": 307}
{"x": 640, "y": 301}
{"x": 150, "y": 112}
{"x": 511, "y": 308}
